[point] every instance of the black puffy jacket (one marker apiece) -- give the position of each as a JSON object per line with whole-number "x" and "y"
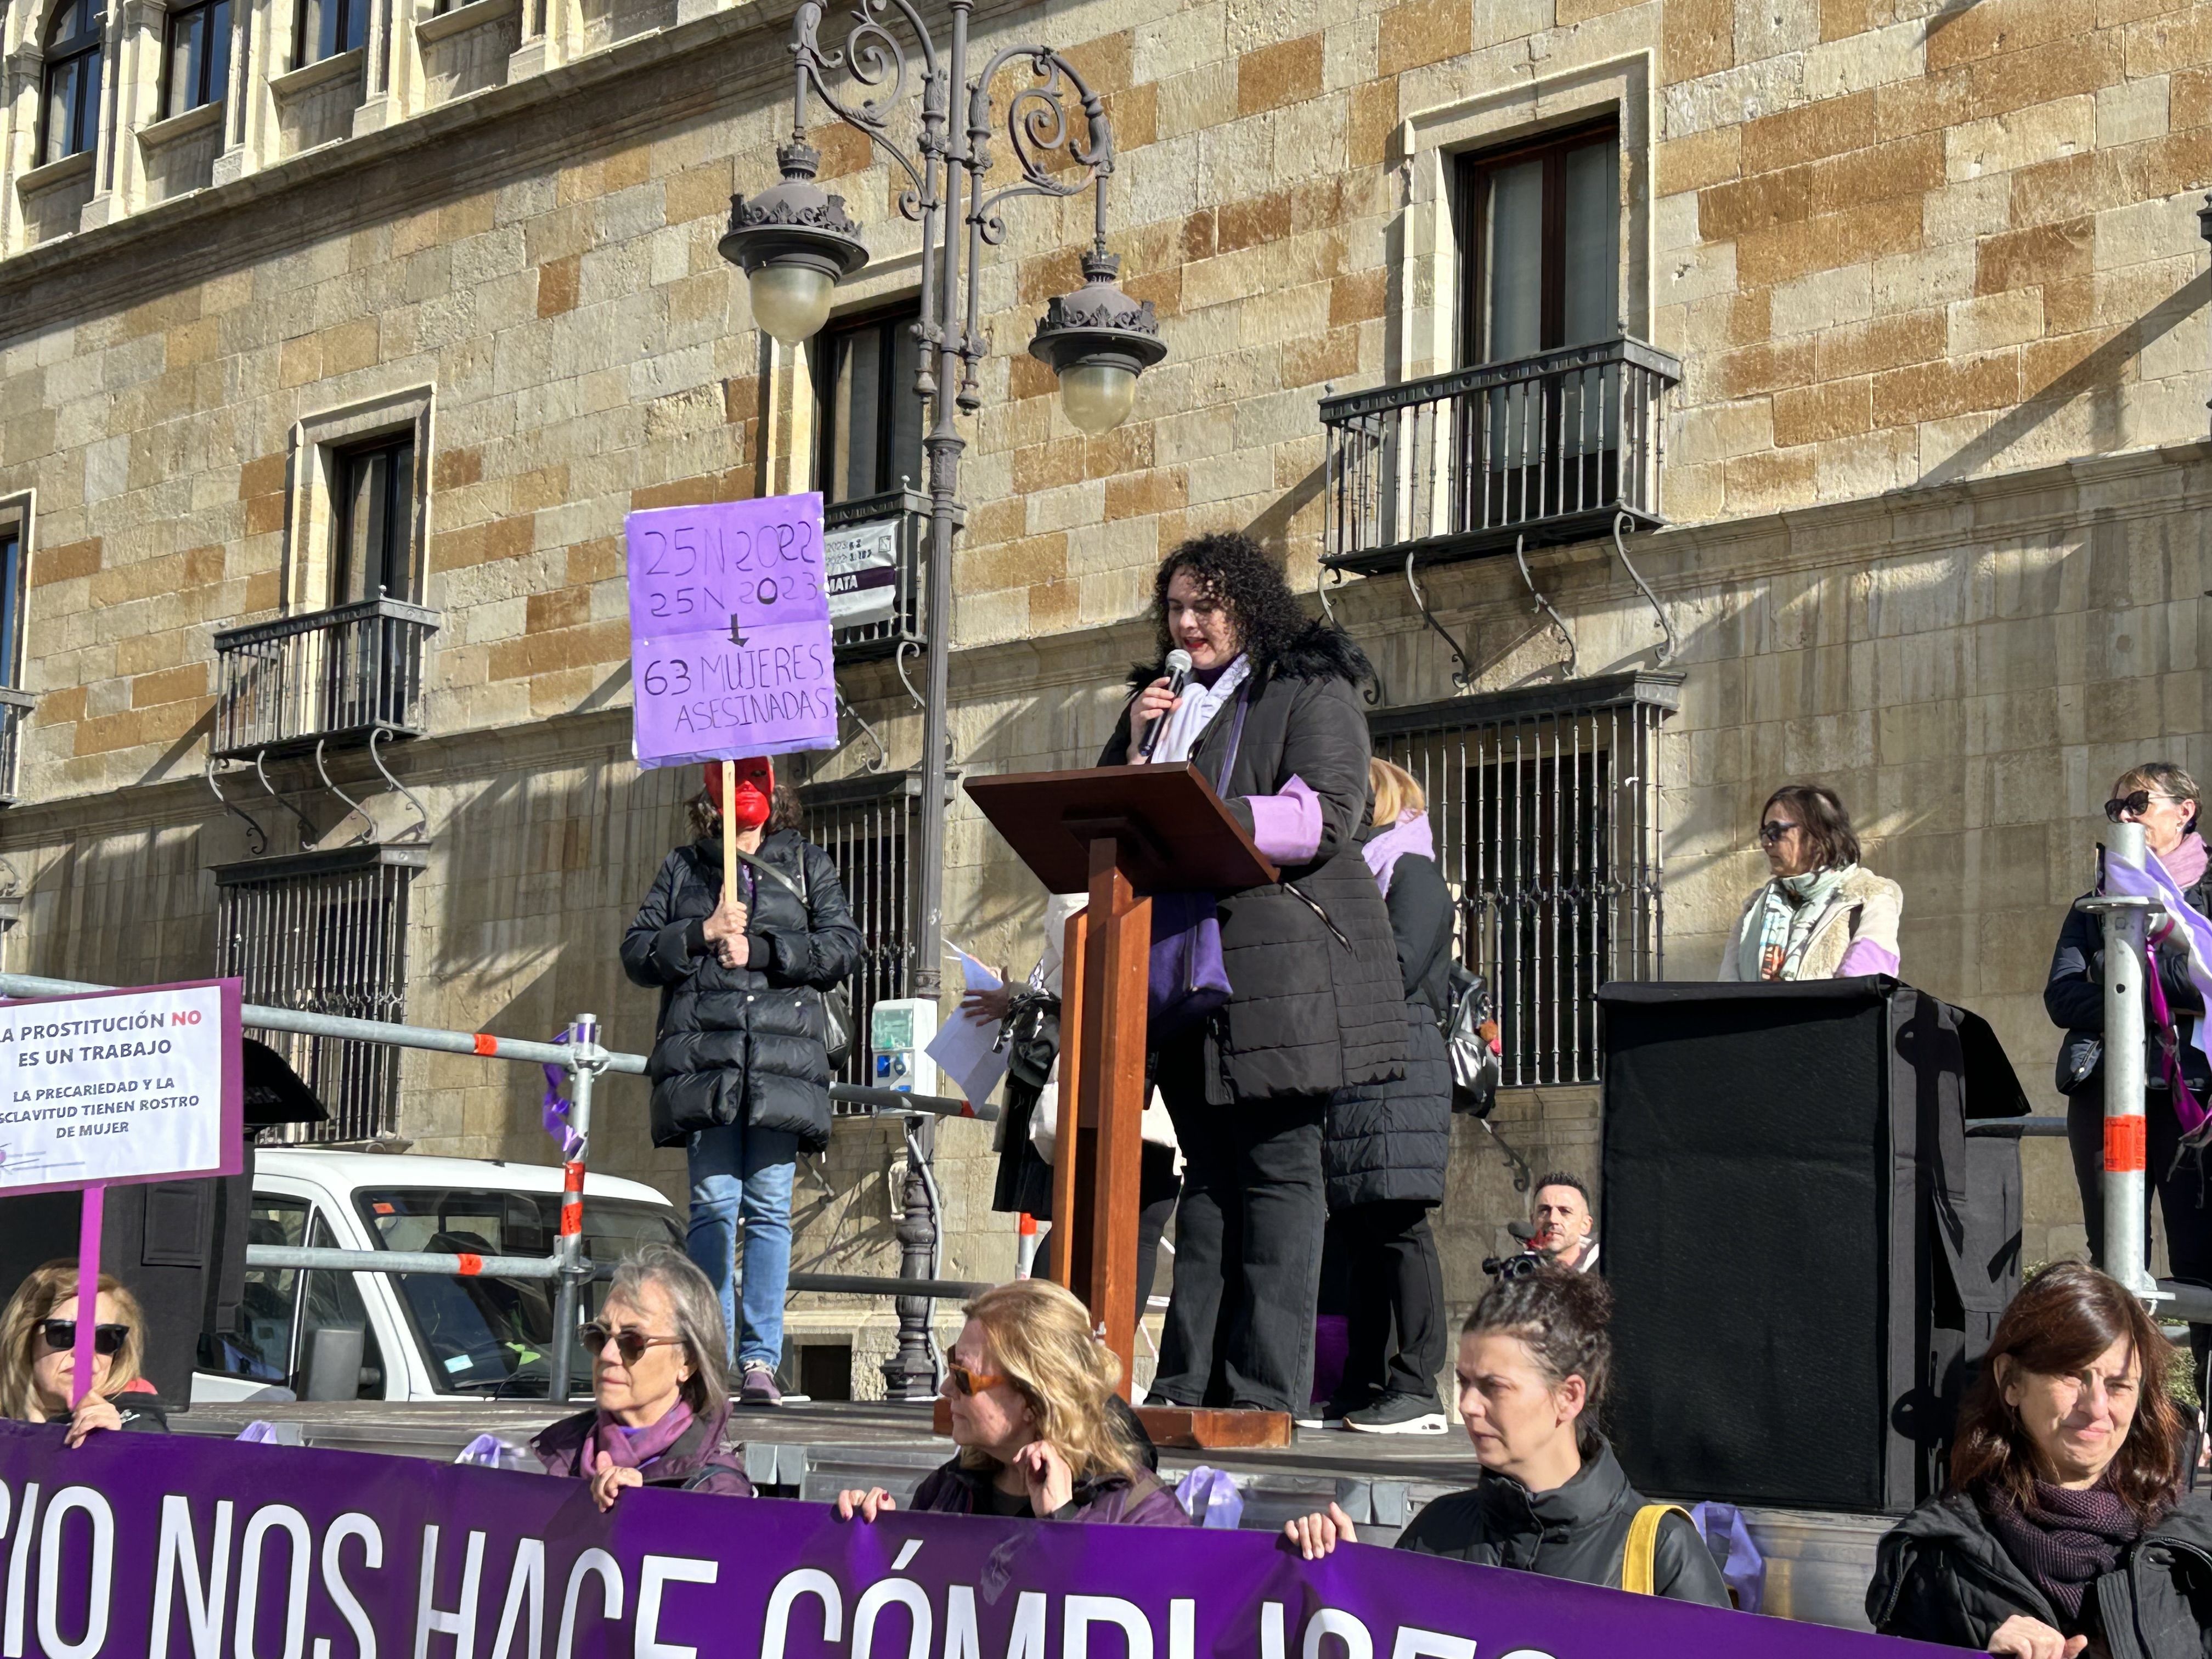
{"x": 1941, "y": 1575}
{"x": 2073, "y": 997}
{"x": 743, "y": 1045}
{"x": 1578, "y": 1531}
{"x": 1316, "y": 1003}
{"x": 1389, "y": 1141}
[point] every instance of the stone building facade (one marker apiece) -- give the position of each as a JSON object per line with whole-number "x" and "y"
{"x": 354, "y": 368}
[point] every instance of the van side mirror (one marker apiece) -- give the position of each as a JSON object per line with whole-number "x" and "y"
{"x": 333, "y": 1367}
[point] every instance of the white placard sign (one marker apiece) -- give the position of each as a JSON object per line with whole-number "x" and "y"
{"x": 121, "y": 1086}
{"x": 861, "y": 568}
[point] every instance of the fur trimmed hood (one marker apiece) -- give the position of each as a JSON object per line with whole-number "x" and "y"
{"x": 1322, "y": 651}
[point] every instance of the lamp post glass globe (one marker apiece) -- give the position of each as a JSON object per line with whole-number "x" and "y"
{"x": 1097, "y": 397}
{"x": 791, "y": 300}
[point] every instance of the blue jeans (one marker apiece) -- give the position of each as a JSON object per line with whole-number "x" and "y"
{"x": 738, "y": 1173}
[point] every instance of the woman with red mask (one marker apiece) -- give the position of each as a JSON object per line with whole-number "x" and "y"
{"x": 740, "y": 1067}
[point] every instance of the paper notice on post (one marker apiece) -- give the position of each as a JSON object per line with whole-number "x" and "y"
{"x": 965, "y": 1047}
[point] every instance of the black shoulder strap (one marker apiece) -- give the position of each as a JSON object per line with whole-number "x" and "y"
{"x": 763, "y": 867}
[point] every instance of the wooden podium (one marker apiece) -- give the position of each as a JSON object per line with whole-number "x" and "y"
{"x": 1123, "y": 833}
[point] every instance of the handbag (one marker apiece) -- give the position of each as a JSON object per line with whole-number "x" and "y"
{"x": 1470, "y": 1030}
{"x": 1185, "y": 978}
{"x": 837, "y": 1001}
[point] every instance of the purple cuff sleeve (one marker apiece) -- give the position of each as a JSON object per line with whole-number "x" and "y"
{"x": 1286, "y": 825}
{"x": 1865, "y": 956}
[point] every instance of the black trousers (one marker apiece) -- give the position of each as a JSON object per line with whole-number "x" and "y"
{"x": 1240, "y": 1324}
{"x": 1393, "y": 1299}
{"x": 2183, "y": 1200}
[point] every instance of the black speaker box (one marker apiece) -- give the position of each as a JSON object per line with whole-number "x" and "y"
{"x": 1807, "y": 1250}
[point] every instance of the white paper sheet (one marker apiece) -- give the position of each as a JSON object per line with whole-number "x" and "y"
{"x": 963, "y": 1047}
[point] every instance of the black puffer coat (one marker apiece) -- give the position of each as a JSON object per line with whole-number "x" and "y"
{"x": 1941, "y": 1575}
{"x": 1390, "y": 1141}
{"x": 2073, "y": 997}
{"x": 1316, "y": 1001}
{"x": 1578, "y": 1531}
{"x": 743, "y": 1045}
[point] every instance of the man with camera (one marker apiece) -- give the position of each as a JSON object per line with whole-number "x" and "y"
{"x": 1560, "y": 1228}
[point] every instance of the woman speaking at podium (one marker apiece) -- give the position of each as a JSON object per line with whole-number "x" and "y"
{"x": 1823, "y": 915}
{"x": 1270, "y": 712}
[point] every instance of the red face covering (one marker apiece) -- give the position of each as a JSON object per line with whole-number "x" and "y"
{"x": 748, "y": 808}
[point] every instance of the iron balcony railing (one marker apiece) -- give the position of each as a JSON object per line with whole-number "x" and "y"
{"x": 1548, "y": 449}
{"x": 15, "y": 709}
{"x": 330, "y": 676}
{"x": 875, "y": 554}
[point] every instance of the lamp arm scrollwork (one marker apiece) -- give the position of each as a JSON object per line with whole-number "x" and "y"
{"x": 1037, "y": 127}
{"x": 873, "y": 56}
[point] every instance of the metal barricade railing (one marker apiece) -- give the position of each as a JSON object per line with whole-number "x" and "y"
{"x": 584, "y": 1060}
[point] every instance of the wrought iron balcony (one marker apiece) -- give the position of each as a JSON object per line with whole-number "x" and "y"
{"x": 873, "y": 555}
{"x": 1546, "y": 450}
{"x": 337, "y": 677}
{"x": 15, "y": 709}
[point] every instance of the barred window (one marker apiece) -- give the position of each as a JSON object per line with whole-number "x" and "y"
{"x": 327, "y": 934}
{"x": 865, "y": 824}
{"x": 1544, "y": 803}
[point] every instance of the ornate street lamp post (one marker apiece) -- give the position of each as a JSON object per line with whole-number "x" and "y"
{"x": 795, "y": 242}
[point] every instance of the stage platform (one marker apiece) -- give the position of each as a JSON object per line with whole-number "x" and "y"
{"x": 1817, "y": 1564}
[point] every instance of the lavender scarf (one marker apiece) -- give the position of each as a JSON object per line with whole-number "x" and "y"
{"x": 2068, "y": 1542}
{"x": 635, "y": 1451}
{"x": 1383, "y": 848}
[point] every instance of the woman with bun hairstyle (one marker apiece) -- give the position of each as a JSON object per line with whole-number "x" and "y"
{"x": 1042, "y": 1432}
{"x": 741, "y": 1064}
{"x": 2063, "y": 1531}
{"x": 38, "y": 1362}
{"x": 1535, "y": 1358}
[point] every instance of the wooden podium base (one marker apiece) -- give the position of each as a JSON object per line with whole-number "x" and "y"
{"x": 1198, "y": 1428}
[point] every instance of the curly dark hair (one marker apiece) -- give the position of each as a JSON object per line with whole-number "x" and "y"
{"x": 2063, "y": 1319}
{"x": 1230, "y": 567}
{"x": 1561, "y": 1317}
{"x": 1825, "y": 819}
{"x": 784, "y": 813}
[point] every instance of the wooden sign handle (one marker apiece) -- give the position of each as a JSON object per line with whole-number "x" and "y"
{"x": 729, "y": 831}
{"x": 88, "y": 1292}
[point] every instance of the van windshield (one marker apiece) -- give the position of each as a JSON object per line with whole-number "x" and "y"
{"x": 494, "y": 1336}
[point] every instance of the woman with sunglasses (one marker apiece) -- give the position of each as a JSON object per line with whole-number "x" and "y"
{"x": 38, "y": 1362}
{"x": 662, "y": 1404}
{"x": 1040, "y": 1430}
{"x": 2163, "y": 799}
{"x": 1821, "y": 915}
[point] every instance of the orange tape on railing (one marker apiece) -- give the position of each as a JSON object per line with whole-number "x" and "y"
{"x": 2127, "y": 1144}
{"x": 470, "y": 1264}
{"x": 486, "y": 1043}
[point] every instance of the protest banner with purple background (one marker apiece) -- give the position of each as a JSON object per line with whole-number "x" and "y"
{"x": 729, "y": 626}
{"x": 150, "y": 1546}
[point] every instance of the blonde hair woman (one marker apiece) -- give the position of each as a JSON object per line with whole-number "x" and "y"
{"x": 38, "y": 1363}
{"x": 1384, "y": 1146}
{"x": 1040, "y": 1431}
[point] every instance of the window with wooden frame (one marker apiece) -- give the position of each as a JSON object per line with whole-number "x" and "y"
{"x": 372, "y": 491}
{"x": 871, "y": 421}
{"x": 1540, "y": 243}
{"x": 11, "y": 602}
{"x": 69, "y": 119}
{"x": 196, "y": 65}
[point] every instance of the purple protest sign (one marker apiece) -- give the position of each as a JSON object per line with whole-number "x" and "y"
{"x": 145, "y": 1544}
{"x": 729, "y": 628}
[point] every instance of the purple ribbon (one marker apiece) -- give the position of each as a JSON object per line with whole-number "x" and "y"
{"x": 555, "y": 1107}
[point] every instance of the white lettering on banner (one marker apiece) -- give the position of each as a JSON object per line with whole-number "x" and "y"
{"x": 909, "y": 1595}
{"x": 19, "y": 1562}
{"x": 1026, "y": 1639}
{"x": 53, "y": 1556}
{"x": 609, "y": 1571}
{"x": 1351, "y": 1634}
{"x": 274, "y": 1517}
{"x": 526, "y": 1578}
{"x": 179, "y": 1554}
{"x": 1078, "y": 1613}
{"x": 354, "y": 1524}
{"x": 118, "y": 1087}
{"x": 1183, "y": 1618}
{"x": 806, "y": 1581}
{"x": 461, "y": 1623}
{"x": 1414, "y": 1643}
{"x": 657, "y": 1572}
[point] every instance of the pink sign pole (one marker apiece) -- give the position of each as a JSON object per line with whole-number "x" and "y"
{"x": 88, "y": 1292}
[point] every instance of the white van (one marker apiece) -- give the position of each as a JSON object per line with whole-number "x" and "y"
{"x": 425, "y": 1336}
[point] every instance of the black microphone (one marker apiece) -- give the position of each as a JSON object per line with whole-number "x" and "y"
{"x": 1178, "y": 666}
{"x": 1523, "y": 1231}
